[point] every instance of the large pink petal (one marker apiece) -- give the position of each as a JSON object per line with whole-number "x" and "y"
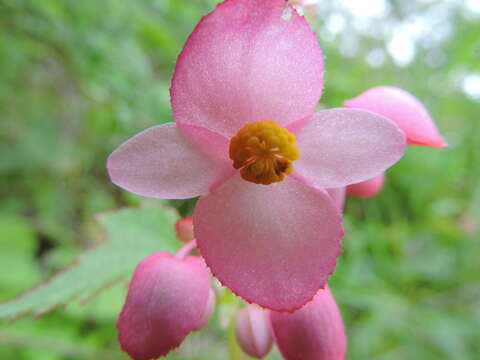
{"x": 165, "y": 162}
{"x": 272, "y": 245}
{"x": 341, "y": 146}
{"x": 247, "y": 61}
{"x": 315, "y": 332}
{"x": 404, "y": 109}
{"x": 166, "y": 300}
{"x": 367, "y": 188}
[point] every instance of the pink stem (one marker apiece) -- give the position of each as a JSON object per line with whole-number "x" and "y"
{"x": 185, "y": 249}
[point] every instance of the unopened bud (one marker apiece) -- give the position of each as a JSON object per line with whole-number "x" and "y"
{"x": 253, "y": 331}
{"x": 315, "y": 332}
{"x": 166, "y": 300}
{"x": 184, "y": 229}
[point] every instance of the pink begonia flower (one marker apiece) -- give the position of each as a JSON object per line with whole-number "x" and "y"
{"x": 168, "y": 298}
{"x": 244, "y": 90}
{"x": 184, "y": 229}
{"x": 315, "y": 332}
{"x": 408, "y": 113}
{"x": 252, "y": 329}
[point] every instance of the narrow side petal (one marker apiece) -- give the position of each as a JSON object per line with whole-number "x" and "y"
{"x": 341, "y": 146}
{"x": 166, "y": 300}
{"x": 247, "y": 61}
{"x": 367, "y": 188}
{"x": 165, "y": 162}
{"x": 272, "y": 245}
{"x": 315, "y": 332}
{"x": 404, "y": 109}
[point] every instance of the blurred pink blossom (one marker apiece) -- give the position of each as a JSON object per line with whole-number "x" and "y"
{"x": 408, "y": 113}
{"x": 402, "y": 108}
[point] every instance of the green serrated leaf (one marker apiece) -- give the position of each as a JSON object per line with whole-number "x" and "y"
{"x": 132, "y": 235}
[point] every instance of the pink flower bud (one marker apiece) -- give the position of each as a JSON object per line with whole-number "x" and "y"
{"x": 367, "y": 188}
{"x": 253, "y": 331}
{"x": 315, "y": 332}
{"x": 167, "y": 299}
{"x": 184, "y": 229}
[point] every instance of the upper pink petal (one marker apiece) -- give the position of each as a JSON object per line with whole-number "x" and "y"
{"x": 165, "y": 162}
{"x": 404, "y": 109}
{"x": 166, "y": 299}
{"x": 367, "y": 188}
{"x": 315, "y": 332}
{"x": 341, "y": 146}
{"x": 247, "y": 61}
{"x": 272, "y": 245}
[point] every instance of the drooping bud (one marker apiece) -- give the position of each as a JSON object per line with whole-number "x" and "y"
{"x": 315, "y": 332}
{"x": 166, "y": 300}
{"x": 184, "y": 229}
{"x": 253, "y": 331}
{"x": 367, "y": 188}
{"x": 402, "y": 108}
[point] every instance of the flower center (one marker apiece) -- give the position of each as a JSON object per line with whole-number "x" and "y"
{"x": 263, "y": 151}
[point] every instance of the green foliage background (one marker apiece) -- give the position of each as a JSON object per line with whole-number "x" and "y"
{"x": 79, "y": 77}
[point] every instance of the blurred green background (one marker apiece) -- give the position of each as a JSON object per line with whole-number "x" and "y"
{"x": 79, "y": 77}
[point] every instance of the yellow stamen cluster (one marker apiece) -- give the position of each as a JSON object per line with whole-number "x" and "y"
{"x": 263, "y": 151}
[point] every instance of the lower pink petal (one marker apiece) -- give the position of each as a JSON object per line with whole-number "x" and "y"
{"x": 315, "y": 332}
{"x": 342, "y": 146}
{"x": 167, "y": 163}
{"x": 272, "y": 245}
{"x": 166, "y": 300}
{"x": 404, "y": 109}
{"x": 368, "y": 188}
